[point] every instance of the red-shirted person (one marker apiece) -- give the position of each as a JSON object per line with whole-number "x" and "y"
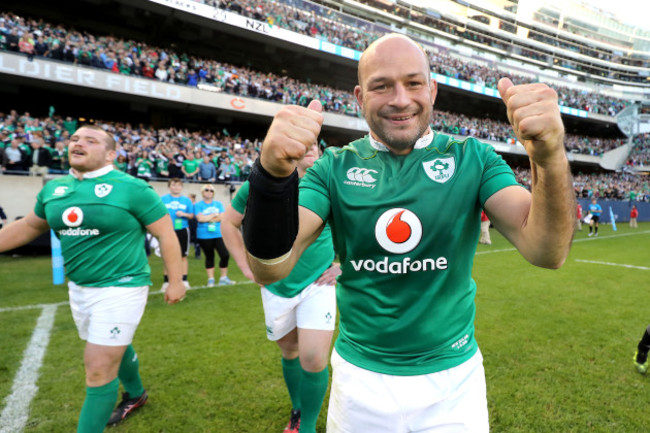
{"x": 634, "y": 213}
{"x": 485, "y": 230}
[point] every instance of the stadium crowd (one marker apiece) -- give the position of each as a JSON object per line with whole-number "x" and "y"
{"x": 39, "y": 39}
{"x": 148, "y": 152}
{"x": 342, "y": 29}
{"x": 222, "y": 157}
{"x": 621, "y": 185}
{"x": 460, "y": 29}
{"x": 34, "y": 37}
{"x": 144, "y": 152}
{"x": 326, "y": 24}
{"x": 640, "y": 154}
{"x": 494, "y": 130}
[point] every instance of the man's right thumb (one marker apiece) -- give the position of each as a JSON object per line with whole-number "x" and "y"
{"x": 315, "y": 105}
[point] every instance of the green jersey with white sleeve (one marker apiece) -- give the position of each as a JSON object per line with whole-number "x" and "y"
{"x": 405, "y": 228}
{"x": 101, "y": 221}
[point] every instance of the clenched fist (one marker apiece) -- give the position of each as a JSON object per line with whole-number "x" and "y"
{"x": 534, "y": 114}
{"x": 293, "y": 131}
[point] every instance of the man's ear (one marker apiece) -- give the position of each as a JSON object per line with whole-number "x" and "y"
{"x": 434, "y": 90}
{"x": 358, "y": 93}
{"x": 111, "y": 155}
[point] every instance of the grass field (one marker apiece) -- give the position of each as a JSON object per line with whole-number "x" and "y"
{"x": 558, "y": 346}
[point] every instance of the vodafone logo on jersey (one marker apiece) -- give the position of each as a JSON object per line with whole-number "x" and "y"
{"x": 398, "y": 231}
{"x": 73, "y": 217}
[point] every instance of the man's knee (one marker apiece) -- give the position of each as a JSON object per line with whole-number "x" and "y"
{"x": 313, "y": 360}
{"x": 289, "y": 345}
{"x": 102, "y": 363}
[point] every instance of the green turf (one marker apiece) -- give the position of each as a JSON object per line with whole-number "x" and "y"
{"x": 558, "y": 346}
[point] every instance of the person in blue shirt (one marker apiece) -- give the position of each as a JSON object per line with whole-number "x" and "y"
{"x": 595, "y": 210}
{"x": 207, "y": 170}
{"x": 181, "y": 210}
{"x": 208, "y": 234}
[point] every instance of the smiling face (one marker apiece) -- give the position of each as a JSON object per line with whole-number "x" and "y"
{"x": 395, "y": 92}
{"x": 90, "y": 149}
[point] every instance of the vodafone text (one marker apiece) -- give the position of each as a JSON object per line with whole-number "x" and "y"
{"x": 79, "y": 232}
{"x": 401, "y": 267}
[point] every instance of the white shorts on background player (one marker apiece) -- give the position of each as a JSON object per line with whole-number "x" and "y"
{"x": 313, "y": 308}
{"x": 449, "y": 401}
{"x": 107, "y": 316}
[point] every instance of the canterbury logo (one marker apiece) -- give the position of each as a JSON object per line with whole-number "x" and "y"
{"x": 363, "y": 175}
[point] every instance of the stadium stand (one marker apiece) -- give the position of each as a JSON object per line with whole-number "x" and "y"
{"x": 91, "y": 64}
{"x": 139, "y": 59}
{"x": 640, "y": 155}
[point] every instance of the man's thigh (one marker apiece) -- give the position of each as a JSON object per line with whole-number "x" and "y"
{"x": 279, "y": 314}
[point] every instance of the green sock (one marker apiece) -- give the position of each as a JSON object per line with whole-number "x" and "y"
{"x": 98, "y": 406}
{"x": 292, "y": 372}
{"x": 129, "y": 373}
{"x": 312, "y": 392}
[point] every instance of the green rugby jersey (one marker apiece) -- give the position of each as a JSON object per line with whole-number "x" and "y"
{"x": 101, "y": 221}
{"x": 405, "y": 229}
{"x": 313, "y": 262}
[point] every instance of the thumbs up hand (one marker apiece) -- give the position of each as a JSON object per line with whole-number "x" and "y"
{"x": 534, "y": 114}
{"x": 293, "y": 131}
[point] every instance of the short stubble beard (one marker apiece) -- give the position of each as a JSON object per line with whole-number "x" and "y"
{"x": 393, "y": 142}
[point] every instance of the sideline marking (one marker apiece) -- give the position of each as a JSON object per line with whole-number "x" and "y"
{"x": 31, "y": 307}
{"x": 16, "y": 411}
{"x": 151, "y": 293}
{"x": 614, "y": 264}
{"x": 503, "y": 250}
{"x": 478, "y": 253}
{"x": 594, "y": 238}
{"x": 216, "y": 286}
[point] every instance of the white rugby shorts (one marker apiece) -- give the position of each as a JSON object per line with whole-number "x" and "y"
{"x": 107, "y": 316}
{"x": 313, "y": 308}
{"x": 452, "y": 400}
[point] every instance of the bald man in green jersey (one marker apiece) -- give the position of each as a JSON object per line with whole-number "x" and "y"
{"x": 404, "y": 206}
{"x": 101, "y": 216}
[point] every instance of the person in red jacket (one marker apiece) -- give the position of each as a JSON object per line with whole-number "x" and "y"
{"x": 579, "y": 217}
{"x": 485, "y": 230}
{"x": 634, "y": 213}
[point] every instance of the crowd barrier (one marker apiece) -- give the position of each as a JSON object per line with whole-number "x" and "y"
{"x": 18, "y": 193}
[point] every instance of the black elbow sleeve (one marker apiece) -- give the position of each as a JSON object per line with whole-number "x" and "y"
{"x": 270, "y": 224}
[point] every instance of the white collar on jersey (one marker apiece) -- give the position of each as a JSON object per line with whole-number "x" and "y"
{"x": 100, "y": 172}
{"x": 422, "y": 142}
